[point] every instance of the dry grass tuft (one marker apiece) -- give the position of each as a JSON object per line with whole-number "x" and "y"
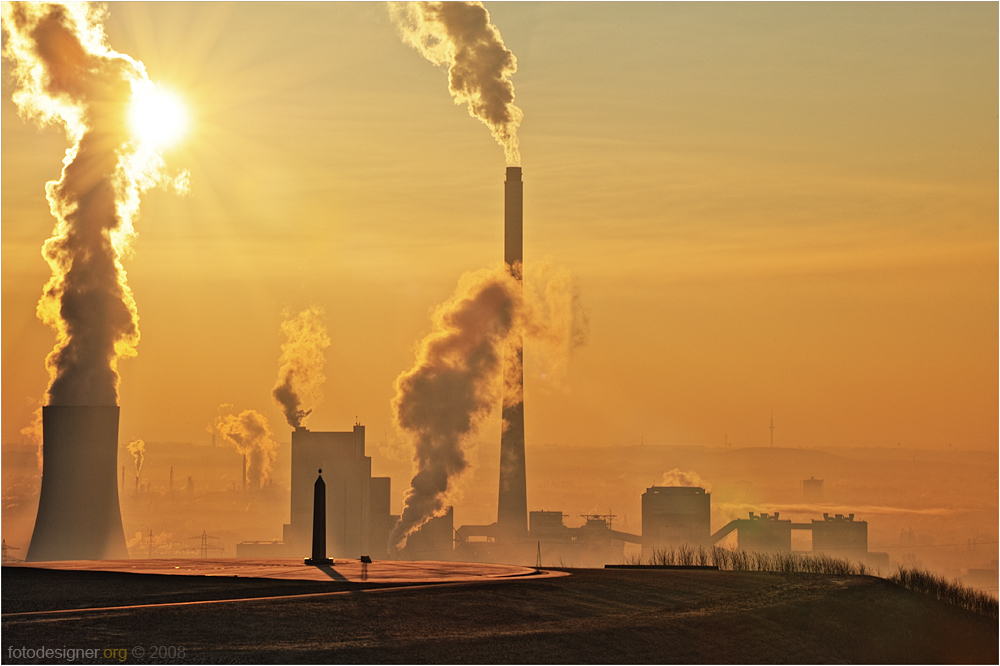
{"x": 726, "y": 559}
{"x": 951, "y": 591}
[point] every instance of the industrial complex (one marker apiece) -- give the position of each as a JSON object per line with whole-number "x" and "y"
{"x": 79, "y": 516}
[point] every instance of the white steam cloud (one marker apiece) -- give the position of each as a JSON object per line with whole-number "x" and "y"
{"x": 65, "y": 73}
{"x": 456, "y": 380}
{"x": 250, "y": 435}
{"x": 300, "y": 376}
{"x": 676, "y": 477}
{"x": 138, "y": 450}
{"x": 459, "y": 35}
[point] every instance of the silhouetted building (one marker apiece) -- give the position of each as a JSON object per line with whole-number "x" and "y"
{"x": 78, "y": 513}
{"x": 764, "y": 532}
{"x": 546, "y": 525}
{"x": 812, "y": 490}
{"x": 380, "y": 520}
{"x": 435, "y": 540}
{"x": 840, "y": 536}
{"x": 676, "y": 515}
{"x": 357, "y": 506}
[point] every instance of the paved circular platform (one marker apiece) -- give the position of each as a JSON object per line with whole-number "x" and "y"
{"x": 380, "y": 571}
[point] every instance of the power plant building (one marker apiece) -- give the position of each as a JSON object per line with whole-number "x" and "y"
{"x": 676, "y": 515}
{"x": 764, "y": 532}
{"x": 357, "y": 506}
{"x": 840, "y": 536}
{"x": 435, "y": 540}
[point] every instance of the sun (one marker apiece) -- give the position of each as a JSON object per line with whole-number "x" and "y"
{"x": 157, "y": 116}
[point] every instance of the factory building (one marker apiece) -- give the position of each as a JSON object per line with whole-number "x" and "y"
{"x": 435, "y": 540}
{"x": 675, "y": 515}
{"x": 357, "y": 506}
{"x": 547, "y": 525}
{"x": 840, "y": 536}
{"x": 764, "y": 532}
{"x": 812, "y": 490}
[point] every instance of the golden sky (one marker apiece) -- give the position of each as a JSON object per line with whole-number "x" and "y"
{"x": 786, "y": 208}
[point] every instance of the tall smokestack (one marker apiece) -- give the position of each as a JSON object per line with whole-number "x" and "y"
{"x": 512, "y": 504}
{"x": 78, "y": 513}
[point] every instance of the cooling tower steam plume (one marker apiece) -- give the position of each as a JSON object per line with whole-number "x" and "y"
{"x": 64, "y": 73}
{"x": 460, "y": 36}
{"x": 300, "y": 376}
{"x": 250, "y": 435}
{"x": 457, "y": 380}
{"x": 138, "y": 451}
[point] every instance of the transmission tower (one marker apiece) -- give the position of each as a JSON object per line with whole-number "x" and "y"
{"x": 204, "y": 547}
{"x": 6, "y": 552}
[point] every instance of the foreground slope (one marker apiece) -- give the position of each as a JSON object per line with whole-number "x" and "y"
{"x": 590, "y": 616}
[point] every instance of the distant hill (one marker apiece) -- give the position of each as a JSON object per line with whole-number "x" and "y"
{"x": 591, "y": 616}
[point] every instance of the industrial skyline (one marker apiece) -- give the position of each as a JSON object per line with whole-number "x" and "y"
{"x": 726, "y": 276}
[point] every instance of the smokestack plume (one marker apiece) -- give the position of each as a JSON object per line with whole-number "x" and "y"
{"x": 300, "y": 376}
{"x": 457, "y": 378}
{"x": 451, "y": 389}
{"x": 65, "y": 73}
{"x": 676, "y": 477}
{"x": 78, "y": 516}
{"x": 138, "y": 451}
{"x": 250, "y": 435}
{"x": 460, "y": 36}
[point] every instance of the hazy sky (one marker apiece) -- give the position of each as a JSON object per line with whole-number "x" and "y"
{"x": 767, "y": 207}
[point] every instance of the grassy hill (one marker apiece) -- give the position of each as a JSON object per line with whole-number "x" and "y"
{"x": 591, "y": 616}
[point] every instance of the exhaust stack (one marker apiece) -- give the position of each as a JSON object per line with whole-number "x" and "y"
{"x": 512, "y": 504}
{"x": 78, "y": 513}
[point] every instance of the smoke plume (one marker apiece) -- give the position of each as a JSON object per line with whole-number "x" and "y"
{"x": 34, "y": 433}
{"x": 301, "y": 373}
{"x": 460, "y": 35}
{"x": 557, "y": 323}
{"x": 138, "y": 451}
{"x": 250, "y": 436}
{"x": 65, "y": 73}
{"x": 676, "y": 477}
{"x": 456, "y": 382}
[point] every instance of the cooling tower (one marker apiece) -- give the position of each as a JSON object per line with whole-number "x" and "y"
{"x": 512, "y": 504}
{"x": 78, "y": 515}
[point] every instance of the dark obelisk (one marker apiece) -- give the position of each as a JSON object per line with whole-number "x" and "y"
{"x": 319, "y": 524}
{"x": 512, "y": 504}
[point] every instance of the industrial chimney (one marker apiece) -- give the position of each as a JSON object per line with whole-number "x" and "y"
{"x": 512, "y": 504}
{"x": 78, "y": 513}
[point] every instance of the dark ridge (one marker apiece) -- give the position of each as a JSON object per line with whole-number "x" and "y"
{"x": 592, "y": 616}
